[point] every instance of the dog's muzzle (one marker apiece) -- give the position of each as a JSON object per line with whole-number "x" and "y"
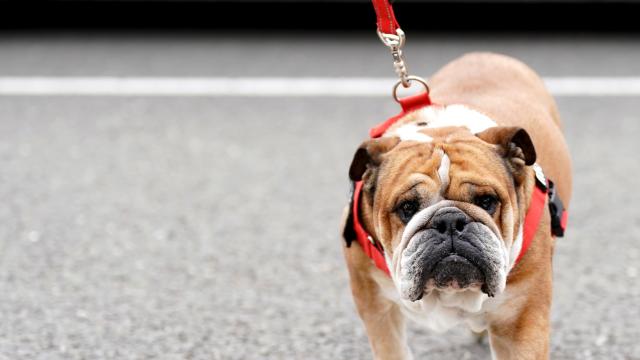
{"x": 447, "y": 249}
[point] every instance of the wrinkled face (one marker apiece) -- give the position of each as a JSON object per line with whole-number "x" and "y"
{"x": 446, "y": 207}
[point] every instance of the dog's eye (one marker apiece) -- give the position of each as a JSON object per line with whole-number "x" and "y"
{"x": 407, "y": 209}
{"x": 487, "y": 202}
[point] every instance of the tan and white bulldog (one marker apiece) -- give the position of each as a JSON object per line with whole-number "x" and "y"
{"x": 445, "y": 193}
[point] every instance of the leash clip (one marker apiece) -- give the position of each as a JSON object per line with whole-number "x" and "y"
{"x": 395, "y": 42}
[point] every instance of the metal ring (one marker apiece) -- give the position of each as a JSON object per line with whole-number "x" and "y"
{"x": 409, "y": 79}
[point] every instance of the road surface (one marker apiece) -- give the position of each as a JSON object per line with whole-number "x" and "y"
{"x": 206, "y": 227}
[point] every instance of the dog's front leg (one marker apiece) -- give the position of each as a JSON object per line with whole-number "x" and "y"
{"x": 384, "y": 323}
{"x": 524, "y": 333}
{"x": 527, "y": 338}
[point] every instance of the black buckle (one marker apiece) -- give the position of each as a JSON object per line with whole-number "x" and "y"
{"x": 556, "y": 209}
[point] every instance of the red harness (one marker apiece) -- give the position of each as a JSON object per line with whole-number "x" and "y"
{"x": 391, "y": 35}
{"x": 542, "y": 190}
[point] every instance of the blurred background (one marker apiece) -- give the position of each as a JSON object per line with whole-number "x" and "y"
{"x": 173, "y": 172}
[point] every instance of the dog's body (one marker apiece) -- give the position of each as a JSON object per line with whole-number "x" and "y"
{"x": 445, "y": 194}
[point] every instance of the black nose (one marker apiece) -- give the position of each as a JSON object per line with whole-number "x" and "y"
{"x": 450, "y": 221}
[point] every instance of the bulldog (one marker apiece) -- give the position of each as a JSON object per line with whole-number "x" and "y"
{"x": 444, "y": 198}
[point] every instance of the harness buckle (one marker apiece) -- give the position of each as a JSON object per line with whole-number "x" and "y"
{"x": 556, "y": 210}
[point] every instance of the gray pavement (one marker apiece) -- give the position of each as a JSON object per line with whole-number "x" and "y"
{"x": 195, "y": 228}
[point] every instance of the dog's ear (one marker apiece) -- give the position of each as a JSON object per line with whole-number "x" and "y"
{"x": 369, "y": 155}
{"x": 514, "y": 144}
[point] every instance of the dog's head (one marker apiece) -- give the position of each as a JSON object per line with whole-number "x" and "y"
{"x": 446, "y": 204}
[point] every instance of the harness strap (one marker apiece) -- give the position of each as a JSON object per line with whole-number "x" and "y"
{"x": 543, "y": 189}
{"x": 368, "y": 244}
{"x": 532, "y": 219}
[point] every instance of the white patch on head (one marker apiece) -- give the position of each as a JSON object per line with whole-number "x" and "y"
{"x": 411, "y": 132}
{"x": 443, "y": 172}
{"x": 455, "y": 115}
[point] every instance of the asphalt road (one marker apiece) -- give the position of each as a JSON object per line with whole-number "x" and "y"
{"x": 195, "y": 228}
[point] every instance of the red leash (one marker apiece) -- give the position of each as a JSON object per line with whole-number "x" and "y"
{"x": 387, "y": 22}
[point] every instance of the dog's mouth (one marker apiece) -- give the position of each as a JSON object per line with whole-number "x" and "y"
{"x": 456, "y": 272}
{"x": 453, "y": 273}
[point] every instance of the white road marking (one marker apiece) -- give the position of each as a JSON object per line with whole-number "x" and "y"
{"x": 272, "y": 86}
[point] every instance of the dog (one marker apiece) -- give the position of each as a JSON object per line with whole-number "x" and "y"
{"x": 445, "y": 198}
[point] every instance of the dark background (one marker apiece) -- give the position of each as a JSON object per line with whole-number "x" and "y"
{"x": 515, "y": 15}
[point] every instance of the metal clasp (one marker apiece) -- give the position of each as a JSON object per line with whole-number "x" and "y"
{"x": 395, "y": 44}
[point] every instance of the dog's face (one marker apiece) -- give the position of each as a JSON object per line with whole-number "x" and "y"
{"x": 446, "y": 205}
